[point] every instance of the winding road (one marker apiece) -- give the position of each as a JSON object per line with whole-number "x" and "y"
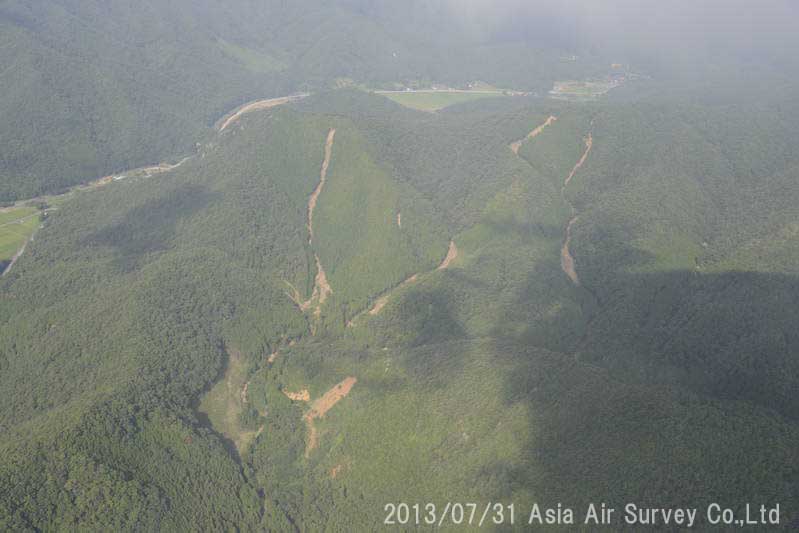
{"x": 153, "y": 170}
{"x": 223, "y": 123}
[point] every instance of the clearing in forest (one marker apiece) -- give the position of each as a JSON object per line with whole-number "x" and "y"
{"x": 16, "y": 226}
{"x": 225, "y": 402}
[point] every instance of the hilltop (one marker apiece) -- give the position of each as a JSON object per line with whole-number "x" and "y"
{"x": 451, "y": 352}
{"x": 93, "y": 89}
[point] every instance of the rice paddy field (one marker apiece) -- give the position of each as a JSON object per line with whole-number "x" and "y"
{"x": 436, "y": 100}
{"x": 16, "y": 226}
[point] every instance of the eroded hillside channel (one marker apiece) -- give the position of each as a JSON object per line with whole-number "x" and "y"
{"x": 321, "y": 289}
{"x": 380, "y": 303}
{"x": 567, "y": 262}
{"x": 566, "y": 259}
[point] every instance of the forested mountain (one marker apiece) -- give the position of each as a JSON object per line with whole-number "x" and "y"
{"x": 340, "y": 302}
{"x": 91, "y": 88}
{"x": 153, "y": 331}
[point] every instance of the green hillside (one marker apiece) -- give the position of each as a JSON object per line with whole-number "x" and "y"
{"x": 151, "y": 336}
{"x": 95, "y": 88}
{"x": 673, "y": 206}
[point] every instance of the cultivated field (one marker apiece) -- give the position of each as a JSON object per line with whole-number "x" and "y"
{"x": 16, "y": 226}
{"x": 435, "y": 100}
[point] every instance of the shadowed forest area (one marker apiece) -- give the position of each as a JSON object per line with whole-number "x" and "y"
{"x": 331, "y": 301}
{"x": 495, "y": 377}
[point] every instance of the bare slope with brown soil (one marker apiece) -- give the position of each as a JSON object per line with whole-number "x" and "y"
{"x": 567, "y": 262}
{"x": 321, "y": 406}
{"x": 257, "y": 105}
{"x": 321, "y": 288}
{"x": 382, "y": 301}
{"x": 516, "y": 146}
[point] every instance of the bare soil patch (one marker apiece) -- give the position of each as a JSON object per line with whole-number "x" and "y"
{"x": 322, "y": 285}
{"x": 255, "y": 106}
{"x": 321, "y": 406}
{"x": 516, "y": 146}
{"x": 322, "y": 178}
{"x": 566, "y": 259}
{"x": 301, "y": 396}
{"x": 322, "y": 288}
{"x": 452, "y": 254}
{"x": 383, "y": 300}
{"x": 589, "y": 144}
{"x": 567, "y": 262}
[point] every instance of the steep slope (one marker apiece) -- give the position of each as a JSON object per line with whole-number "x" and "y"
{"x": 668, "y": 207}
{"x": 115, "y": 387}
{"x": 123, "y": 402}
{"x": 91, "y": 88}
{"x": 495, "y": 378}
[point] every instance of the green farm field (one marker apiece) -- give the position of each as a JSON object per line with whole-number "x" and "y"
{"x": 436, "y": 100}
{"x": 16, "y": 226}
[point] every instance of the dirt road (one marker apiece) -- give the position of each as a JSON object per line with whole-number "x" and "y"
{"x": 257, "y": 105}
{"x": 152, "y": 170}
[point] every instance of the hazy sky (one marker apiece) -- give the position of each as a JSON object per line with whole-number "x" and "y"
{"x": 663, "y": 24}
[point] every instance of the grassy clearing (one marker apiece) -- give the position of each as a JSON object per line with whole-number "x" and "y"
{"x": 16, "y": 226}
{"x": 227, "y": 401}
{"x": 582, "y": 90}
{"x": 435, "y": 100}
